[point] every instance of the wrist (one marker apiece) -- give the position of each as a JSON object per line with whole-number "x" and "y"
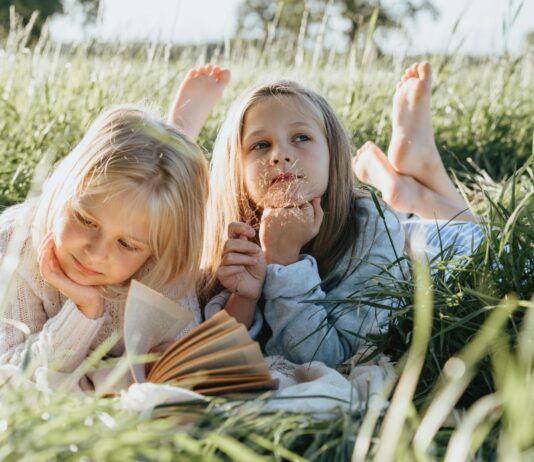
{"x": 245, "y": 299}
{"x": 93, "y": 311}
{"x": 281, "y": 258}
{"x": 241, "y": 308}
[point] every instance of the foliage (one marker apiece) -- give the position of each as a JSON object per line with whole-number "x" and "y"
{"x": 462, "y": 336}
{"x": 291, "y": 17}
{"x": 25, "y": 8}
{"x": 44, "y": 8}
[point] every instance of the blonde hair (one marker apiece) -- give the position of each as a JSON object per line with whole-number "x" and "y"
{"x": 229, "y": 201}
{"x": 128, "y": 151}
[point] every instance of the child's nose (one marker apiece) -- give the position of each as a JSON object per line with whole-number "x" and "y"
{"x": 280, "y": 154}
{"x": 97, "y": 249}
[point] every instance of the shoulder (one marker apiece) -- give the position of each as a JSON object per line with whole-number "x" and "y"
{"x": 378, "y": 224}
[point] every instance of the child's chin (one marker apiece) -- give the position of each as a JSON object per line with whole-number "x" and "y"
{"x": 274, "y": 202}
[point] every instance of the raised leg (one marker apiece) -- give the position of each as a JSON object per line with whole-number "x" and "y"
{"x": 413, "y": 150}
{"x": 200, "y": 91}
{"x": 402, "y": 192}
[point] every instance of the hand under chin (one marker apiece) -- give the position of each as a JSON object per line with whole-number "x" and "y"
{"x": 277, "y": 201}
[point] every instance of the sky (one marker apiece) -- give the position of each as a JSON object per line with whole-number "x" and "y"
{"x": 480, "y": 30}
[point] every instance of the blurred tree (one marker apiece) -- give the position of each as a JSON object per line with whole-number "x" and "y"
{"x": 256, "y": 16}
{"x": 46, "y": 8}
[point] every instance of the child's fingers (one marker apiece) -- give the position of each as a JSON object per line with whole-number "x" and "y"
{"x": 48, "y": 265}
{"x": 237, "y": 230}
{"x": 233, "y": 258}
{"x": 225, "y": 272}
{"x": 241, "y": 246}
{"x": 307, "y": 210}
{"x": 47, "y": 242}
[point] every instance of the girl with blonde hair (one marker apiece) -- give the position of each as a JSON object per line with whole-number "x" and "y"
{"x": 302, "y": 255}
{"x": 127, "y": 202}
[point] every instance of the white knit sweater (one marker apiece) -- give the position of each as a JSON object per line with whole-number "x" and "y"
{"x": 60, "y": 332}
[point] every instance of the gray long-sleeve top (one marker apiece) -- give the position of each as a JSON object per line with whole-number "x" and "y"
{"x": 309, "y": 317}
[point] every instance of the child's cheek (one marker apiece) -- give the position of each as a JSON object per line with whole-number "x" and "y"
{"x": 66, "y": 234}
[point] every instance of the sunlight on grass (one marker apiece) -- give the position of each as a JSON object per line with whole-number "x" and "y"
{"x": 463, "y": 336}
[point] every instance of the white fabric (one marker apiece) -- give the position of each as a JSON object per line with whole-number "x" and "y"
{"x": 144, "y": 397}
{"x": 312, "y": 388}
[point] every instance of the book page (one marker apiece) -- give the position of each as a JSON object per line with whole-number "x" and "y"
{"x": 246, "y": 369}
{"x": 239, "y": 355}
{"x": 219, "y": 380}
{"x": 150, "y": 319}
{"x": 260, "y": 385}
{"x": 198, "y": 334}
{"x": 232, "y": 371}
{"x": 234, "y": 336}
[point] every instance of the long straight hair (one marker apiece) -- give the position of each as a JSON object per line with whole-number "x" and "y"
{"x": 229, "y": 201}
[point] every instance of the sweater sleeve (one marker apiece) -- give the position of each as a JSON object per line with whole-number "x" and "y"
{"x": 310, "y": 324}
{"x": 62, "y": 341}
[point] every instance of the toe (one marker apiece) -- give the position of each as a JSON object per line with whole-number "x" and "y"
{"x": 224, "y": 76}
{"x": 424, "y": 70}
{"x": 409, "y": 74}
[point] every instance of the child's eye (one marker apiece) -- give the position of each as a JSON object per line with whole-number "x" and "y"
{"x": 259, "y": 146}
{"x": 83, "y": 221}
{"x": 300, "y": 138}
{"x": 126, "y": 245}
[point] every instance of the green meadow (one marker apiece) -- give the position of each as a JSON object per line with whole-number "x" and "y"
{"x": 462, "y": 338}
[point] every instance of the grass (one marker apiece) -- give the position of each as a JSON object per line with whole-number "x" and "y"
{"x": 463, "y": 343}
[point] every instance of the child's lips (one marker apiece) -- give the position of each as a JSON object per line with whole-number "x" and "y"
{"x": 85, "y": 269}
{"x": 283, "y": 177}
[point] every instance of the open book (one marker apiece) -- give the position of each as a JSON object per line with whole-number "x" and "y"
{"x": 215, "y": 357}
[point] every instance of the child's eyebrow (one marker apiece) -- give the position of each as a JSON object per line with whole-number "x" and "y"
{"x": 261, "y": 131}
{"x": 254, "y": 133}
{"x": 300, "y": 124}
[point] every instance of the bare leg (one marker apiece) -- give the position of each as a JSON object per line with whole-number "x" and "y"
{"x": 412, "y": 150}
{"x": 200, "y": 91}
{"x": 402, "y": 192}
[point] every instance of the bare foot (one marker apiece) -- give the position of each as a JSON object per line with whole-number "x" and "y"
{"x": 371, "y": 166}
{"x": 413, "y": 150}
{"x": 200, "y": 91}
{"x": 402, "y": 192}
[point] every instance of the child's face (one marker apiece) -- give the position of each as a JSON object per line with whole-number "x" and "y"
{"x": 285, "y": 155}
{"x": 102, "y": 243}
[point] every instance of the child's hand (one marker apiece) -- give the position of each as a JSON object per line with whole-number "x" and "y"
{"x": 284, "y": 231}
{"x": 242, "y": 269}
{"x": 88, "y": 299}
